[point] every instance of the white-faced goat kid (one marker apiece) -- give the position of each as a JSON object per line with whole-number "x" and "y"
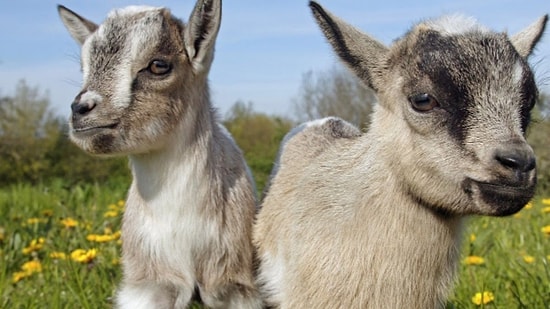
{"x": 187, "y": 227}
{"x": 374, "y": 220}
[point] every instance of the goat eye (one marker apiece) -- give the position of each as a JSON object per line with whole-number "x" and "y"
{"x": 159, "y": 67}
{"x": 423, "y": 102}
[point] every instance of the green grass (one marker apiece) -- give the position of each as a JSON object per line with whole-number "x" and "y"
{"x": 516, "y": 255}
{"x": 28, "y": 213}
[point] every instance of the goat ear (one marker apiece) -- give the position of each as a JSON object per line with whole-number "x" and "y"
{"x": 361, "y": 53}
{"x": 200, "y": 33}
{"x": 525, "y": 40}
{"x": 79, "y": 27}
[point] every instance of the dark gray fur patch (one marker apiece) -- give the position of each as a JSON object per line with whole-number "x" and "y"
{"x": 457, "y": 69}
{"x": 103, "y": 143}
{"x": 108, "y": 52}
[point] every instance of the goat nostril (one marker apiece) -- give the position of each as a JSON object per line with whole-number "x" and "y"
{"x": 81, "y": 108}
{"x": 516, "y": 160}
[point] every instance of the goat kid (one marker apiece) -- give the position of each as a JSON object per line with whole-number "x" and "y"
{"x": 373, "y": 220}
{"x": 187, "y": 227}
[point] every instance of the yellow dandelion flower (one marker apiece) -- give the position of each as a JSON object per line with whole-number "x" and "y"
{"x": 99, "y": 238}
{"x": 483, "y": 298}
{"x": 83, "y": 256}
{"x": 529, "y": 205}
{"x": 121, "y": 203}
{"x": 35, "y": 245}
{"x": 110, "y": 214}
{"x": 109, "y": 236}
{"x": 27, "y": 269}
{"x": 18, "y": 276}
{"x": 115, "y": 261}
{"x": 474, "y": 260}
{"x": 33, "y": 266}
{"x": 546, "y": 201}
{"x": 69, "y": 222}
{"x": 528, "y": 259}
{"x": 112, "y": 207}
{"x": 58, "y": 255}
{"x": 545, "y": 210}
{"x": 473, "y": 237}
{"x": 545, "y": 229}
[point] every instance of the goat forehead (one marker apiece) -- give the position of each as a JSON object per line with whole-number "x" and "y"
{"x": 478, "y": 77}
{"x": 123, "y": 45}
{"x": 125, "y": 28}
{"x": 465, "y": 62}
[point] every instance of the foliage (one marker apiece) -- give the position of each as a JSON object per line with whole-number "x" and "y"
{"x": 61, "y": 281}
{"x": 34, "y": 144}
{"x": 335, "y": 92}
{"x": 27, "y": 128}
{"x": 516, "y": 260}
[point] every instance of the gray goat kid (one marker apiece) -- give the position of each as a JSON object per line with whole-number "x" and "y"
{"x": 374, "y": 220}
{"x": 187, "y": 227}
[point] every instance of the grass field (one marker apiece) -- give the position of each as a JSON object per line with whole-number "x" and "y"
{"x": 60, "y": 247}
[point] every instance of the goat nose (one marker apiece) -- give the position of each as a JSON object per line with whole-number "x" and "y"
{"x": 82, "y": 104}
{"x": 81, "y": 108}
{"x": 517, "y": 158}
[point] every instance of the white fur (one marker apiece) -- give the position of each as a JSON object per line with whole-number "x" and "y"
{"x": 455, "y": 24}
{"x": 132, "y": 10}
{"x": 271, "y": 275}
{"x": 91, "y": 97}
{"x": 143, "y": 296}
{"x": 518, "y": 72}
{"x": 318, "y": 122}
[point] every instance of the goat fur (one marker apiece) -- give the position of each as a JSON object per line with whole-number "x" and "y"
{"x": 374, "y": 220}
{"x": 187, "y": 226}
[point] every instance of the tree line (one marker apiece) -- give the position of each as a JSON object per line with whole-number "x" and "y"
{"x": 34, "y": 143}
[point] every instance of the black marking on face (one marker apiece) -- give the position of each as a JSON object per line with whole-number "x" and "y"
{"x": 454, "y": 69}
{"x": 503, "y": 199}
{"x": 103, "y": 143}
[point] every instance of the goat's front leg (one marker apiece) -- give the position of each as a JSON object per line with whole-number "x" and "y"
{"x": 149, "y": 295}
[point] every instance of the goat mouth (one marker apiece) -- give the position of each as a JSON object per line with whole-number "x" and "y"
{"x": 504, "y": 199}
{"x": 91, "y": 130}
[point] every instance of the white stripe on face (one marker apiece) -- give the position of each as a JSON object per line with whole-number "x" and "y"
{"x": 85, "y": 59}
{"x": 91, "y": 98}
{"x": 138, "y": 38}
{"x": 139, "y": 43}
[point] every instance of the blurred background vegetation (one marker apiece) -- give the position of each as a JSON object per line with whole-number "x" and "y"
{"x": 35, "y": 149}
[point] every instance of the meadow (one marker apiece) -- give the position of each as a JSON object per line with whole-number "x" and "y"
{"x": 60, "y": 248}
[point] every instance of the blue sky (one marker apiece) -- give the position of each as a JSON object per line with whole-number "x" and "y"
{"x": 263, "y": 48}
